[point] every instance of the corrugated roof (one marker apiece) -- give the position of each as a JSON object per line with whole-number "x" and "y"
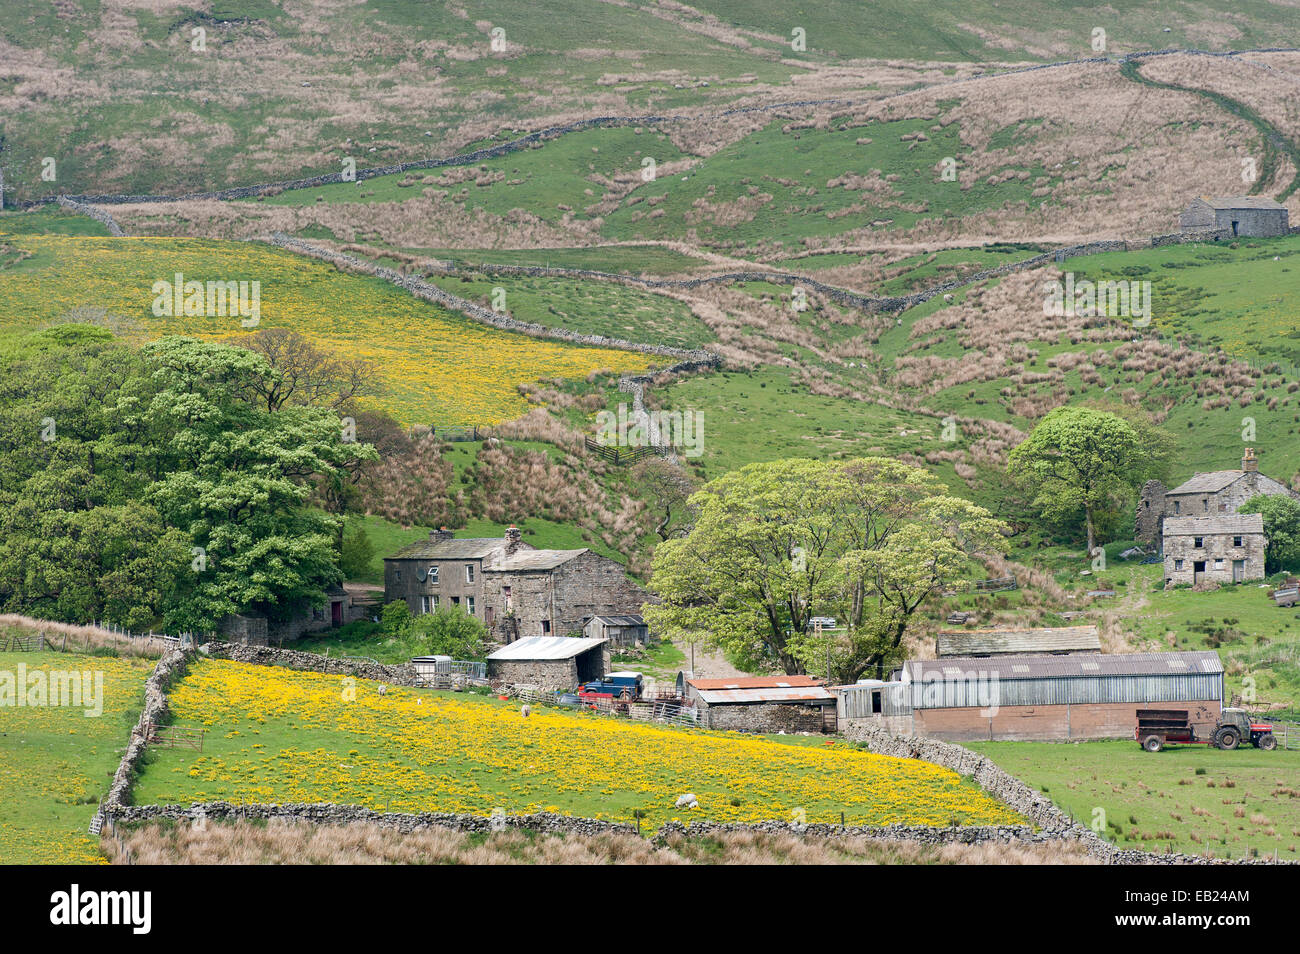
{"x": 715, "y": 697}
{"x": 546, "y": 648}
{"x": 754, "y": 682}
{"x": 1241, "y": 202}
{"x": 1215, "y": 523}
{"x": 469, "y": 548}
{"x": 1047, "y": 666}
{"x": 1209, "y": 483}
{"x": 524, "y": 560}
{"x": 979, "y": 642}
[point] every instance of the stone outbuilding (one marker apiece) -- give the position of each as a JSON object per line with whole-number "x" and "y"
{"x": 550, "y": 662}
{"x": 1207, "y": 494}
{"x": 516, "y": 590}
{"x": 998, "y": 642}
{"x": 1222, "y": 548}
{"x": 763, "y": 704}
{"x": 1252, "y": 216}
{"x": 628, "y": 630}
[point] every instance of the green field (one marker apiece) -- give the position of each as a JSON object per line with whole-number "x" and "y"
{"x": 775, "y": 186}
{"x": 56, "y": 763}
{"x": 1243, "y": 801}
{"x": 275, "y": 735}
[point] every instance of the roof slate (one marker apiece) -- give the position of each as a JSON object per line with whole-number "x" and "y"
{"x": 1215, "y": 523}
{"x": 1046, "y": 640}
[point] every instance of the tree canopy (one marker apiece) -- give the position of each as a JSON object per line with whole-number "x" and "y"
{"x": 1080, "y": 460}
{"x": 153, "y": 486}
{"x": 774, "y": 545}
{"x": 1281, "y": 528}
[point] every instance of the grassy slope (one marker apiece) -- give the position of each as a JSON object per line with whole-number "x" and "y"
{"x": 55, "y": 763}
{"x": 785, "y": 164}
{"x": 413, "y": 342}
{"x": 1155, "y": 801}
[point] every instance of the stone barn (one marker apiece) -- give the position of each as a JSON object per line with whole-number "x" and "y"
{"x": 514, "y": 588}
{"x": 550, "y": 662}
{"x": 998, "y": 642}
{"x": 763, "y": 704}
{"x": 1223, "y": 548}
{"x": 1204, "y": 494}
{"x": 1252, "y": 216}
{"x": 1041, "y": 697}
{"x": 630, "y": 630}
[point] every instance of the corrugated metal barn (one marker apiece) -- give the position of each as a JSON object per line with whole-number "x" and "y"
{"x": 1045, "y": 697}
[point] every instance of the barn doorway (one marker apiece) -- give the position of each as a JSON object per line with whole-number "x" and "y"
{"x": 336, "y": 613}
{"x": 1238, "y": 570}
{"x": 1234, "y": 228}
{"x": 1198, "y": 571}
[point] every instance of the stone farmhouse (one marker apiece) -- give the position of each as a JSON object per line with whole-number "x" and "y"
{"x": 515, "y": 589}
{"x": 1222, "y": 548}
{"x": 1244, "y": 215}
{"x": 1216, "y": 493}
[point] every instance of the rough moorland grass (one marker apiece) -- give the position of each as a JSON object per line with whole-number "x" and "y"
{"x": 562, "y": 176}
{"x": 285, "y": 842}
{"x": 590, "y": 307}
{"x": 280, "y": 736}
{"x": 436, "y": 366}
{"x": 1244, "y": 800}
{"x": 56, "y": 763}
{"x": 775, "y": 186}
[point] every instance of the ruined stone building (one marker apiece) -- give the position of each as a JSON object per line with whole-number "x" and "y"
{"x": 1246, "y": 215}
{"x": 1223, "y": 548}
{"x": 514, "y": 588}
{"x": 1215, "y": 493}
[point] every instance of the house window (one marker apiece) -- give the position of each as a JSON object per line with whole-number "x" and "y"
{"x": 469, "y": 605}
{"x": 433, "y": 574}
{"x": 435, "y": 603}
{"x": 1198, "y": 542}
{"x": 424, "y": 604}
{"x": 1236, "y": 541}
{"x": 1178, "y": 564}
{"x": 455, "y": 601}
{"x": 1205, "y": 505}
{"x": 469, "y": 572}
{"x": 1218, "y": 564}
{"x": 546, "y": 626}
{"x": 1178, "y": 506}
{"x": 397, "y": 576}
{"x": 505, "y": 591}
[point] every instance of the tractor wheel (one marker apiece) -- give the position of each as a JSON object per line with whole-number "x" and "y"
{"x": 1153, "y": 743}
{"x": 1267, "y": 742}
{"x": 1227, "y": 738}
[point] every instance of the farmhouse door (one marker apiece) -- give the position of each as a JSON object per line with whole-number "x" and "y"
{"x": 1238, "y": 570}
{"x": 1198, "y": 571}
{"x": 336, "y": 613}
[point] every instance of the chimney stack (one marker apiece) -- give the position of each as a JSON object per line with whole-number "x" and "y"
{"x": 513, "y": 538}
{"x": 1249, "y": 462}
{"x": 441, "y": 535}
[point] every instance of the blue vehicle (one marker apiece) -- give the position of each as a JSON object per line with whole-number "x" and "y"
{"x": 624, "y": 686}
